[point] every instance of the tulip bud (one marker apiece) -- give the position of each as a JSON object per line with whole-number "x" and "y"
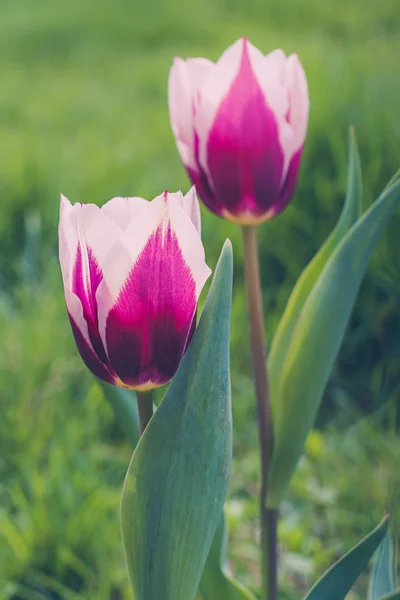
{"x": 133, "y": 272}
{"x": 240, "y": 126}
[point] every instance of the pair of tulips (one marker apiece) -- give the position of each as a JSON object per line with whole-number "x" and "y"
{"x": 133, "y": 270}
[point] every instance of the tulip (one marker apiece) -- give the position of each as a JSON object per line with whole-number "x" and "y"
{"x": 133, "y": 271}
{"x": 240, "y": 126}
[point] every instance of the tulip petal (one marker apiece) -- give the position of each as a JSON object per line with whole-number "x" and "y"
{"x": 82, "y": 339}
{"x": 199, "y": 178}
{"x": 285, "y": 89}
{"x": 299, "y": 103}
{"x": 68, "y": 238}
{"x": 198, "y": 69}
{"x": 98, "y": 231}
{"x": 289, "y": 184}
{"x": 84, "y": 225}
{"x": 122, "y": 210}
{"x": 243, "y": 155}
{"x": 270, "y": 71}
{"x": 86, "y": 278}
{"x": 214, "y": 89}
{"x": 86, "y": 235}
{"x": 190, "y": 205}
{"x": 149, "y": 293}
{"x": 184, "y": 82}
{"x": 181, "y": 110}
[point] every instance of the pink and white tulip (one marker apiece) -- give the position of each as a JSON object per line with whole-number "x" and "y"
{"x": 240, "y": 126}
{"x": 133, "y": 271}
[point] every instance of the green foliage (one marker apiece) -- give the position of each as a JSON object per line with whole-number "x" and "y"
{"x": 382, "y": 581}
{"x": 317, "y": 337}
{"x": 62, "y": 463}
{"x": 216, "y": 583}
{"x": 83, "y": 111}
{"x": 336, "y": 583}
{"x": 177, "y": 481}
{"x": 309, "y": 277}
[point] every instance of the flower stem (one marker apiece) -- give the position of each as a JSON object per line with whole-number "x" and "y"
{"x": 268, "y": 517}
{"x": 269, "y": 546}
{"x": 145, "y": 408}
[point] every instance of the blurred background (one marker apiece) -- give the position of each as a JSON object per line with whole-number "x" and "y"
{"x": 83, "y": 110}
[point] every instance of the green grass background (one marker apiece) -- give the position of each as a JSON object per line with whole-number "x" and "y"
{"x": 83, "y": 110}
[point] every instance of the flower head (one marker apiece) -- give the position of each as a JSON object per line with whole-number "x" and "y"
{"x": 240, "y": 126}
{"x": 133, "y": 271}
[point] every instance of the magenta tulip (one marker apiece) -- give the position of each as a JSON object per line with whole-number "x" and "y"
{"x": 133, "y": 271}
{"x": 240, "y": 126}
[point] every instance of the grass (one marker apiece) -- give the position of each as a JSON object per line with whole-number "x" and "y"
{"x": 83, "y": 111}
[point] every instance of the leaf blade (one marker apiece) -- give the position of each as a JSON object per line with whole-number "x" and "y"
{"x": 317, "y": 338}
{"x": 339, "y": 579}
{"x": 309, "y": 277}
{"x": 178, "y": 477}
{"x": 395, "y": 595}
{"x": 216, "y": 583}
{"x": 382, "y": 576}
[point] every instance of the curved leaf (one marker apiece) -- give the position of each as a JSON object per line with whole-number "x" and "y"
{"x": 177, "y": 481}
{"x": 317, "y": 337}
{"x": 392, "y": 596}
{"x": 382, "y": 576}
{"x": 215, "y": 583}
{"x": 393, "y": 179}
{"x": 350, "y": 213}
{"x": 339, "y": 579}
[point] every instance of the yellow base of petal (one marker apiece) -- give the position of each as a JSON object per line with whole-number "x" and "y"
{"x": 247, "y": 218}
{"x": 145, "y": 387}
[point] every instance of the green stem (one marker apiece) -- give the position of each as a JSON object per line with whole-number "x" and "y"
{"x": 145, "y": 407}
{"x": 269, "y": 547}
{"x": 268, "y": 518}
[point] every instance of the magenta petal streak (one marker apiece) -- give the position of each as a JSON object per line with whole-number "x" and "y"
{"x": 244, "y": 156}
{"x": 289, "y": 184}
{"x": 199, "y": 179}
{"x": 86, "y": 278}
{"x": 150, "y": 325}
{"x": 89, "y": 357}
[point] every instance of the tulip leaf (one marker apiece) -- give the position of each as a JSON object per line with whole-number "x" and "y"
{"x": 393, "y": 179}
{"x": 215, "y": 583}
{"x": 382, "y": 577}
{"x": 309, "y": 277}
{"x": 317, "y": 337}
{"x": 395, "y": 595}
{"x": 178, "y": 477}
{"x": 124, "y": 404}
{"x": 339, "y": 579}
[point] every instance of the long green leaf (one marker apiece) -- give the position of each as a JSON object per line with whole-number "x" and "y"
{"x": 392, "y": 596}
{"x": 382, "y": 576}
{"x": 350, "y": 213}
{"x": 393, "y": 179}
{"x": 339, "y": 579}
{"x": 177, "y": 481}
{"x": 317, "y": 337}
{"x": 215, "y": 583}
